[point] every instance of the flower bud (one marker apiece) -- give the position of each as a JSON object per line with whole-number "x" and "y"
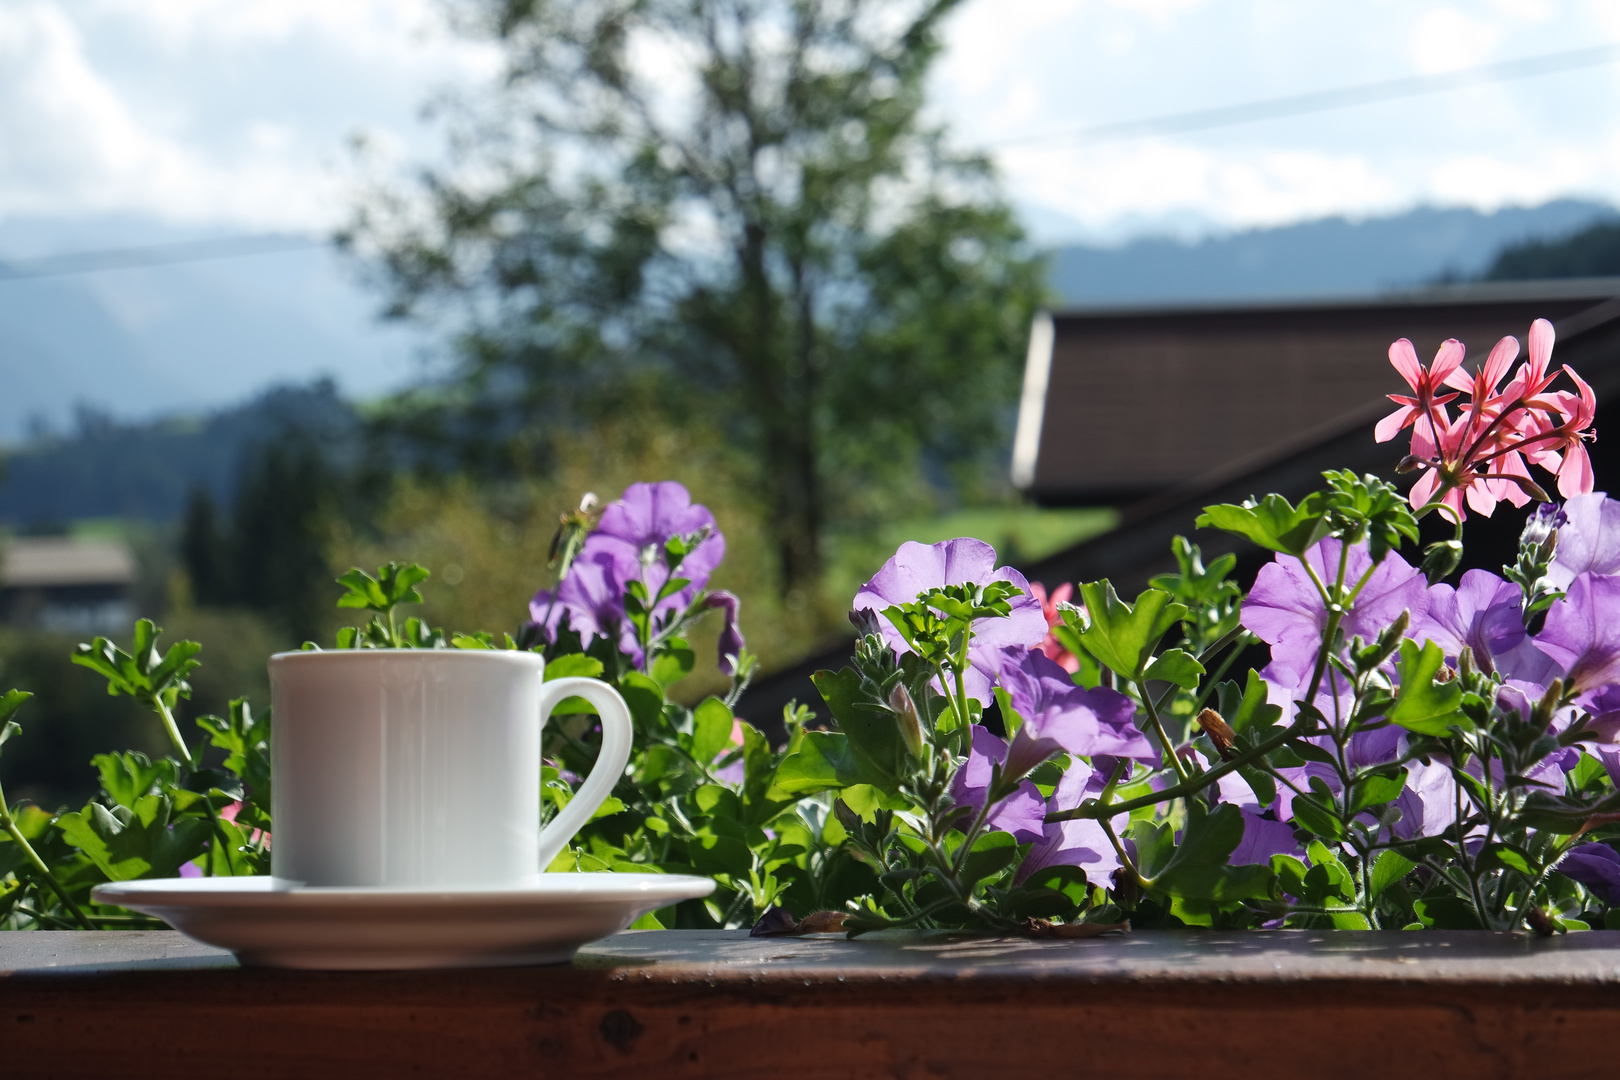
{"x": 1219, "y": 731}
{"x": 865, "y": 622}
{"x": 1440, "y": 559}
{"x": 1409, "y": 464}
{"x": 1540, "y": 534}
{"x": 905, "y": 714}
{"x": 730, "y": 645}
{"x": 848, "y": 818}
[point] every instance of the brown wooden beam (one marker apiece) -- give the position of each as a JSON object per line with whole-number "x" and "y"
{"x": 1372, "y": 1006}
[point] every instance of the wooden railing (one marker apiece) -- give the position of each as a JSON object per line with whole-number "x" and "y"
{"x": 1188, "y": 1005}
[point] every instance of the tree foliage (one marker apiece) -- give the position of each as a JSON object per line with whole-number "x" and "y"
{"x": 723, "y": 212}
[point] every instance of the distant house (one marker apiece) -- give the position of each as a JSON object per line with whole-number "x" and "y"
{"x": 1120, "y": 405}
{"x": 67, "y": 584}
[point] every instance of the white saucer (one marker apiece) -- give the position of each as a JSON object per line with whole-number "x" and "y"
{"x": 274, "y": 923}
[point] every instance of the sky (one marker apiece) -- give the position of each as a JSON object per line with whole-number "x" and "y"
{"x": 136, "y": 121}
{"x": 237, "y": 113}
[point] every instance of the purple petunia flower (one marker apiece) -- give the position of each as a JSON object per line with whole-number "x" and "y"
{"x": 1080, "y": 842}
{"x": 1604, "y": 705}
{"x": 1484, "y": 613}
{"x": 1588, "y": 541}
{"x": 592, "y": 597}
{"x": 628, "y": 544}
{"x": 1263, "y": 838}
{"x": 635, "y": 529}
{"x": 1285, "y": 610}
{"x": 1582, "y": 633}
{"x": 1428, "y": 805}
{"x": 1023, "y": 813}
{"x": 1058, "y": 715}
{"x": 1597, "y": 866}
{"x": 917, "y": 568}
{"x": 730, "y": 645}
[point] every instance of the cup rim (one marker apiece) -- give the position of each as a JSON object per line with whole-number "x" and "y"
{"x": 522, "y": 656}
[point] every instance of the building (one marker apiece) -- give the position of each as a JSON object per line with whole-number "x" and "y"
{"x": 67, "y": 584}
{"x": 1121, "y": 405}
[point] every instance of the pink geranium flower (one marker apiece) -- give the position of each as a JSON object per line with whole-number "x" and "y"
{"x": 1480, "y": 456}
{"x": 1050, "y": 645}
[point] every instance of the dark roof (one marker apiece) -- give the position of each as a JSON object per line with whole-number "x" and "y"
{"x": 1139, "y": 547}
{"x": 1123, "y": 404}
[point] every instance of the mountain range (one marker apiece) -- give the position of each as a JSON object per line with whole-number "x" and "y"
{"x": 1328, "y": 257}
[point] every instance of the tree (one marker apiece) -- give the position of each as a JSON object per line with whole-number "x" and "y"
{"x": 730, "y": 212}
{"x": 273, "y": 558}
{"x": 1590, "y": 252}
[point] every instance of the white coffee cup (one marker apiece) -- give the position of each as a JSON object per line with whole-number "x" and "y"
{"x": 421, "y": 767}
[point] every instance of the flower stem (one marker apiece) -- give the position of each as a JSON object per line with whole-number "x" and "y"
{"x": 173, "y": 730}
{"x": 1093, "y": 809}
{"x": 1158, "y": 728}
{"x": 9, "y": 824}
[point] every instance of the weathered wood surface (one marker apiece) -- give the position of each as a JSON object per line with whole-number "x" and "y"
{"x": 1373, "y": 1006}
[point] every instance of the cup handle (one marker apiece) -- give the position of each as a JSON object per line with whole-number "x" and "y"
{"x": 617, "y": 735}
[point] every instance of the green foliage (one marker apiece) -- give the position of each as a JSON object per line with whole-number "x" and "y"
{"x": 142, "y": 673}
{"x": 1123, "y": 636}
{"x": 1422, "y": 704}
{"x": 1272, "y": 522}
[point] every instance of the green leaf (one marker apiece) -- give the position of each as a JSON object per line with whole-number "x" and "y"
{"x": 1308, "y": 815}
{"x": 992, "y": 853}
{"x": 135, "y": 841}
{"x": 1122, "y": 635}
{"x": 10, "y": 702}
{"x": 1155, "y": 843}
{"x": 641, "y": 693}
{"x": 394, "y": 585}
{"x": 1563, "y": 814}
{"x": 1328, "y": 878}
{"x": 1272, "y": 522}
{"x": 1198, "y": 868}
{"x": 129, "y": 777}
{"x": 825, "y": 761}
{"x": 1423, "y": 705}
{"x": 1176, "y": 666}
{"x": 1250, "y": 710}
{"x": 1447, "y": 913}
{"x": 1378, "y": 789}
{"x": 712, "y": 724}
{"x": 574, "y": 665}
{"x": 1509, "y": 856}
{"x": 1391, "y": 867}
{"x": 673, "y": 663}
{"x": 873, "y": 731}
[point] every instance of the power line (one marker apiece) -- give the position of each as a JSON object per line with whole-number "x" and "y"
{"x": 188, "y": 251}
{"x": 1326, "y": 100}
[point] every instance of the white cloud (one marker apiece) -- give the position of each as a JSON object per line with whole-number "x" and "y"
{"x": 1447, "y": 39}
{"x": 1009, "y": 75}
{"x": 234, "y": 112}
{"x": 180, "y": 110}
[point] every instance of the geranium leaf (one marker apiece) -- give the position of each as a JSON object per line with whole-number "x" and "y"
{"x": 1122, "y": 635}
{"x": 1272, "y": 522}
{"x": 1423, "y": 705}
{"x": 1175, "y": 666}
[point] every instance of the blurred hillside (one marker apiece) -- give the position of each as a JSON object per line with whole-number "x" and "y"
{"x": 1329, "y": 257}
{"x": 108, "y": 468}
{"x": 84, "y": 323}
